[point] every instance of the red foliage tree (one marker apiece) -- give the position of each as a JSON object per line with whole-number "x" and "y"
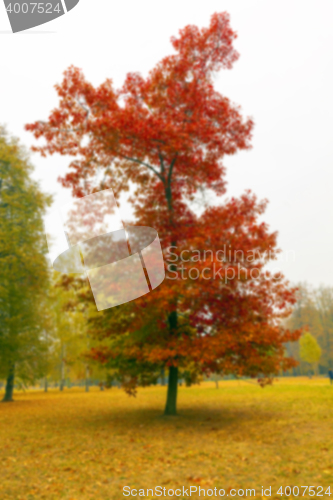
{"x": 167, "y": 134}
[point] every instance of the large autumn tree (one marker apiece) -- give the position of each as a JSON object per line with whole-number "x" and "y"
{"x": 167, "y": 135}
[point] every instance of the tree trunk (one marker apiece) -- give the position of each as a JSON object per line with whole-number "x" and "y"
{"x": 46, "y": 384}
{"x": 87, "y": 378}
{"x": 171, "y": 403}
{"x": 62, "y": 368}
{"x": 8, "y": 397}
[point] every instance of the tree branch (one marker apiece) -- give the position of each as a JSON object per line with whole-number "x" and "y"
{"x": 162, "y": 164}
{"x": 135, "y": 160}
{"x": 171, "y": 169}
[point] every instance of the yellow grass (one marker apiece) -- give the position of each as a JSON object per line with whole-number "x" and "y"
{"x": 80, "y": 446}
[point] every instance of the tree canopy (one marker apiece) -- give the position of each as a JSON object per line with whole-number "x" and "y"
{"x": 310, "y": 351}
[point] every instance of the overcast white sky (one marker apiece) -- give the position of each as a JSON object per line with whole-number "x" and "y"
{"x": 283, "y": 79}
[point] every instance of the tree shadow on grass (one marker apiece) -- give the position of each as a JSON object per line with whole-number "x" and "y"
{"x": 204, "y": 420}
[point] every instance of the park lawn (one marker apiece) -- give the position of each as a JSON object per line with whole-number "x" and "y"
{"x": 79, "y": 446}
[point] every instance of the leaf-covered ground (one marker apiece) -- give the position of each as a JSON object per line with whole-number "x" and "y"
{"x": 80, "y": 446}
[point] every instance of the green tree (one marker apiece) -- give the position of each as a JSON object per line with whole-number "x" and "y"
{"x": 310, "y": 351}
{"x": 23, "y": 267}
{"x": 69, "y": 331}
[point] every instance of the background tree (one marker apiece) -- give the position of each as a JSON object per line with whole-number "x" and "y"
{"x": 23, "y": 268}
{"x": 313, "y": 312}
{"x": 310, "y": 351}
{"x": 69, "y": 333}
{"x": 168, "y": 134}
{"x": 323, "y": 299}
